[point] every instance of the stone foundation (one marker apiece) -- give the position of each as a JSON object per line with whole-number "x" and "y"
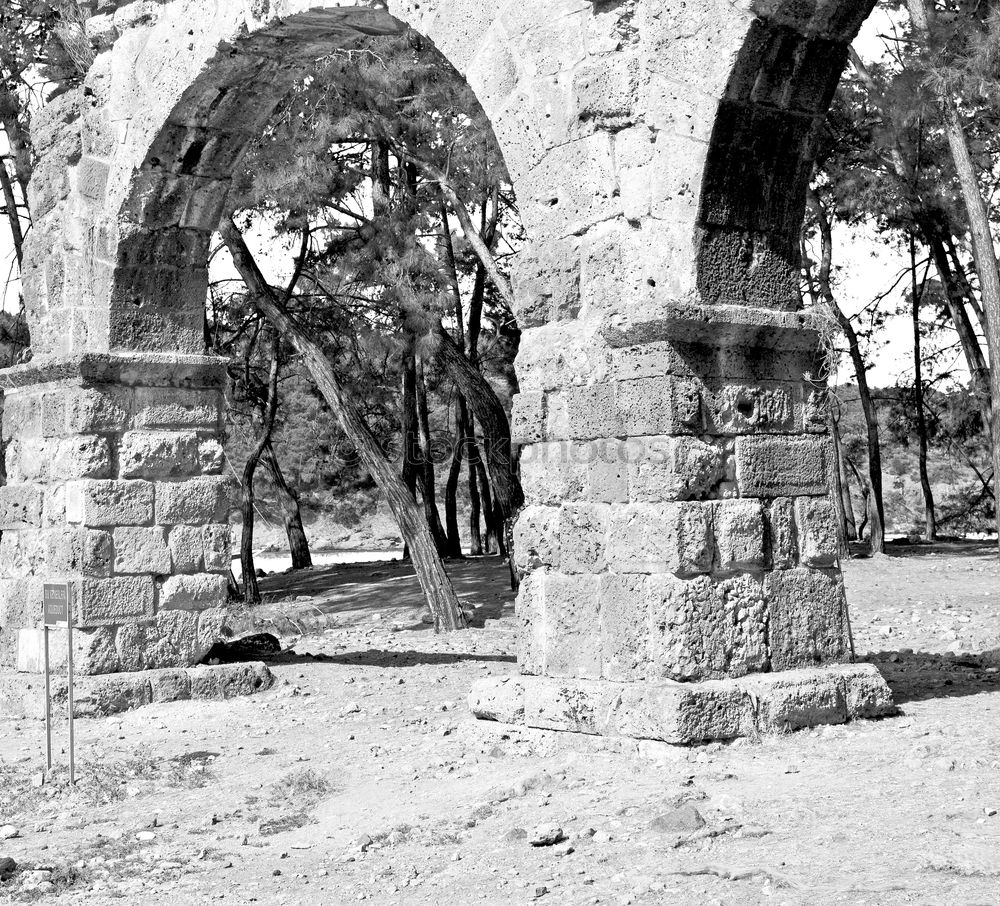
{"x": 687, "y": 713}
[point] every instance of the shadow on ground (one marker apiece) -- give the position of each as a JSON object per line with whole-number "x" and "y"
{"x": 921, "y": 676}
{"x": 375, "y": 657}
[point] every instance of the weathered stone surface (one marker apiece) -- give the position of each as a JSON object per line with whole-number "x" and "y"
{"x": 109, "y": 503}
{"x": 141, "y": 550}
{"x": 20, "y": 507}
{"x": 780, "y": 534}
{"x": 780, "y": 466}
{"x": 158, "y": 454}
{"x": 806, "y": 617}
{"x": 200, "y": 591}
{"x": 818, "y": 536}
{"x": 661, "y": 538}
{"x": 739, "y": 534}
{"x": 674, "y": 468}
{"x": 121, "y": 599}
{"x": 195, "y": 501}
{"x": 187, "y": 548}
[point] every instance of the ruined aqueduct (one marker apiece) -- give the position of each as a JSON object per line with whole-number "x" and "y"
{"x": 660, "y": 151}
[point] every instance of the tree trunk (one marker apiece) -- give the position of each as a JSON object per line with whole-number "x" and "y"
{"x": 877, "y": 514}
{"x": 251, "y": 590}
{"x": 438, "y": 590}
{"x": 13, "y": 214}
{"x": 475, "y": 507}
{"x": 930, "y": 528}
{"x": 983, "y": 251}
{"x": 291, "y": 513}
{"x": 451, "y": 488}
{"x": 485, "y": 404}
{"x": 838, "y": 487}
{"x": 428, "y": 482}
{"x": 845, "y": 485}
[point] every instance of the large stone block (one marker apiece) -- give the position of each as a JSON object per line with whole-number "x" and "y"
{"x": 807, "y": 618}
{"x": 171, "y": 407}
{"x": 20, "y": 507}
{"x": 93, "y": 410}
{"x": 104, "y": 503}
{"x": 739, "y": 534}
{"x": 201, "y": 591}
{"x": 818, "y": 534}
{"x": 142, "y": 550}
{"x": 781, "y": 466}
{"x": 158, "y": 454}
{"x": 114, "y": 601}
{"x": 193, "y": 501}
{"x": 706, "y": 629}
{"x": 660, "y": 405}
{"x": 554, "y": 473}
{"x": 187, "y": 548}
{"x": 674, "y": 468}
{"x": 624, "y": 627}
{"x": 536, "y": 538}
{"x": 739, "y": 408}
{"x": 572, "y": 630}
{"x": 583, "y": 529}
{"x": 605, "y": 92}
{"x": 661, "y": 538}
{"x": 218, "y": 555}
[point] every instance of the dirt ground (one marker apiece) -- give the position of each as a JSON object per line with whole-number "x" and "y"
{"x": 362, "y": 776}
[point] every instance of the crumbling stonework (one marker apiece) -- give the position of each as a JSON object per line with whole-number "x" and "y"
{"x": 675, "y": 461}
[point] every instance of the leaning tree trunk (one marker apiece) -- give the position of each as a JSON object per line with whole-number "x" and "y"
{"x": 437, "y": 588}
{"x": 451, "y": 487}
{"x": 251, "y": 589}
{"x": 291, "y": 512}
{"x": 983, "y": 250}
{"x": 930, "y": 526}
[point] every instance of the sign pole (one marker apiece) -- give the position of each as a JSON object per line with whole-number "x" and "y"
{"x": 69, "y": 677}
{"x": 48, "y": 704}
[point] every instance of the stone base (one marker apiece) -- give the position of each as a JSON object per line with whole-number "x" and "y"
{"x": 97, "y": 696}
{"x": 686, "y": 713}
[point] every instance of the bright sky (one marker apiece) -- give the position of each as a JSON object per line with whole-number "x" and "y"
{"x": 867, "y": 267}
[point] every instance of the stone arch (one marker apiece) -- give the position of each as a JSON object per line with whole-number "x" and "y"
{"x": 677, "y": 537}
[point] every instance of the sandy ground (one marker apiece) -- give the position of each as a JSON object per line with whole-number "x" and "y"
{"x": 362, "y": 776}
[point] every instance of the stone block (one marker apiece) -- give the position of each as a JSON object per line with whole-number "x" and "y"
{"x": 572, "y": 629}
{"x": 605, "y": 92}
{"x": 187, "y": 548}
{"x": 142, "y": 550}
{"x": 660, "y": 405}
{"x": 527, "y": 419}
{"x": 218, "y": 553}
{"x": 817, "y": 531}
{"x": 158, "y": 454}
{"x": 83, "y": 456}
{"x": 93, "y": 410}
{"x": 200, "y": 591}
{"x": 224, "y": 681}
{"x": 536, "y": 538}
{"x": 780, "y": 466}
{"x": 739, "y": 534}
{"x": 531, "y": 629}
{"x": 583, "y": 529}
{"x": 170, "y": 685}
{"x": 592, "y": 412}
{"x": 68, "y": 550}
{"x": 498, "y": 699}
{"x": 705, "y": 629}
{"x": 554, "y": 473}
{"x": 211, "y": 456}
{"x": 607, "y": 473}
{"x": 193, "y": 501}
{"x": 170, "y": 407}
{"x": 737, "y": 408}
{"x": 674, "y": 468}
{"x": 806, "y": 618}
{"x": 20, "y": 507}
{"x": 780, "y": 534}
{"x": 663, "y": 538}
{"x": 122, "y": 599}
{"x": 624, "y": 627}
{"x": 100, "y": 503}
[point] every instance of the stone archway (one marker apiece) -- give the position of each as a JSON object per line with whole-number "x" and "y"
{"x": 678, "y": 534}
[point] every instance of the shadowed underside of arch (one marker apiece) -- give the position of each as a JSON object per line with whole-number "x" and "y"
{"x": 679, "y": 545}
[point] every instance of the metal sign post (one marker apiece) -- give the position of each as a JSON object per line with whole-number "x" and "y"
{"x": 57, "y": 612}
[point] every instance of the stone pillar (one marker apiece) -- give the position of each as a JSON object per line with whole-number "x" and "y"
{"x": 116, "y": 488}
{"x": 679, "y": 542}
